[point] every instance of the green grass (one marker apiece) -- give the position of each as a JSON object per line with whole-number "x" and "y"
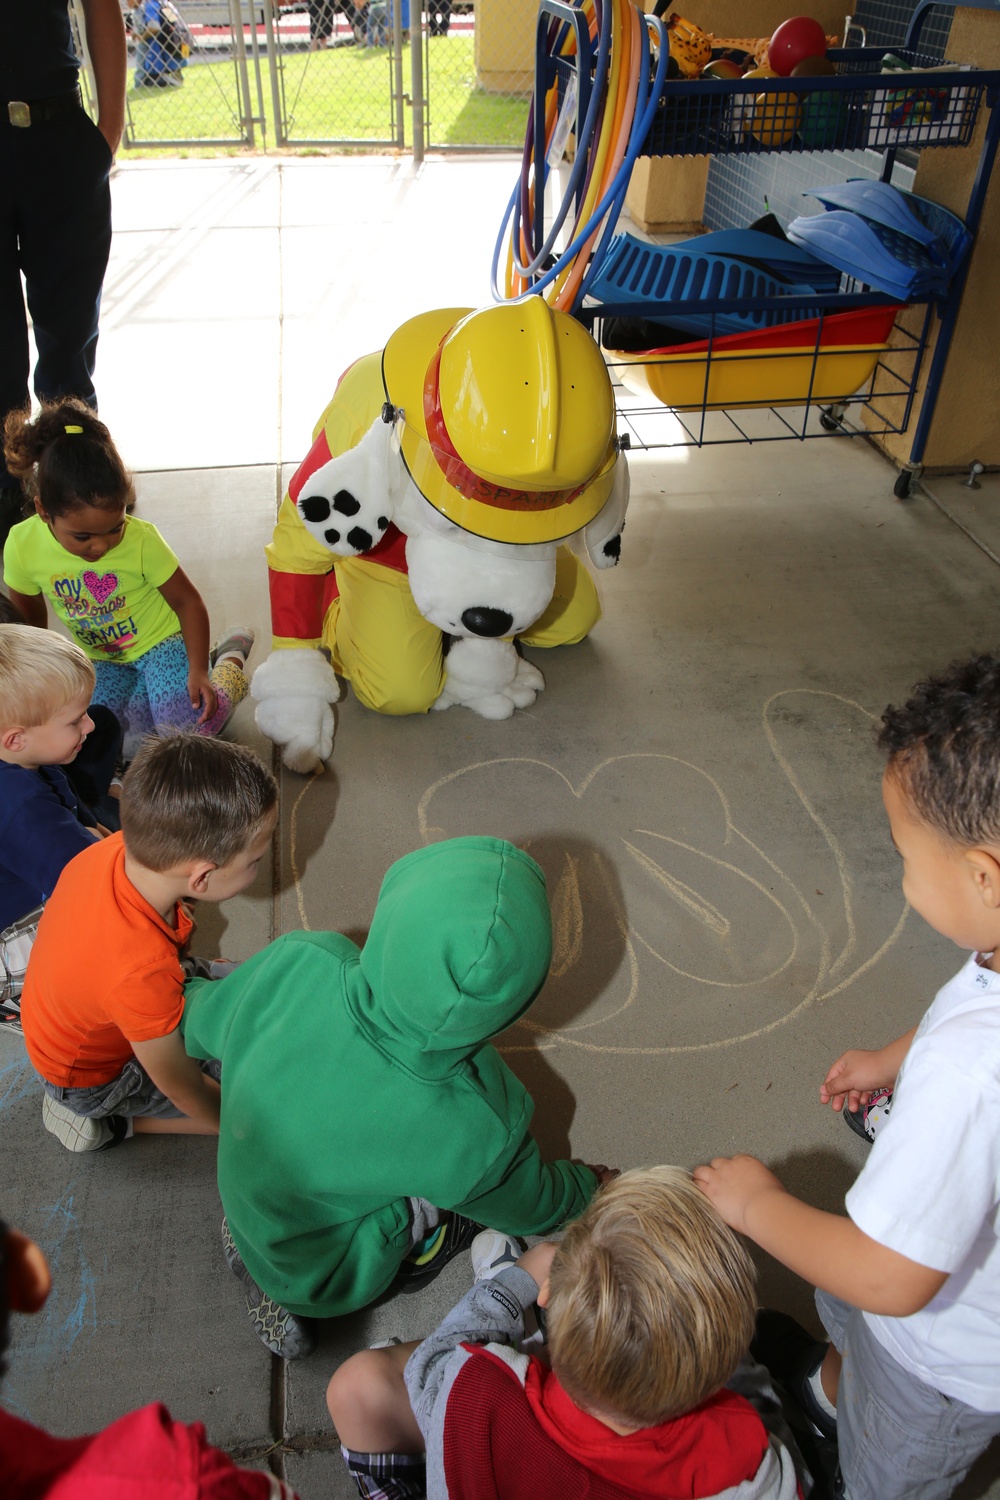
{"x": 342, "y": 94}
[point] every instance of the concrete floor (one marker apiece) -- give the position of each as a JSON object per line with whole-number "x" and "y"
{"x": 698, "y": 781}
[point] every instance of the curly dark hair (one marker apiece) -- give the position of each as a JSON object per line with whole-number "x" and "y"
{"x": 65, "y": 456}
{"x": 943, "y": 746}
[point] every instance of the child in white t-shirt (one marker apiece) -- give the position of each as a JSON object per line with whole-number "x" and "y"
{"x": 908, "y": 1286}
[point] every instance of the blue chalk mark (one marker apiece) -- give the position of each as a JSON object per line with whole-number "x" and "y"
{"x": 17, "y": 1079}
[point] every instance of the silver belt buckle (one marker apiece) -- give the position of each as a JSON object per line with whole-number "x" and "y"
{"x": 19, "y": 114}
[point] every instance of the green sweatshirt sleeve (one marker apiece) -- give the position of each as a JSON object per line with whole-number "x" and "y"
{"x": 533, "y": 1196}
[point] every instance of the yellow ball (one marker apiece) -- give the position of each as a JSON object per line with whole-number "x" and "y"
{"x": 776, "y": 118}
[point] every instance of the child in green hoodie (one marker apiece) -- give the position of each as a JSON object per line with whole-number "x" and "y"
{"x": 397, "y": 1130}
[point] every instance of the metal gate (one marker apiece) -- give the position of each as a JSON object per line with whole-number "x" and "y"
{"x": 333, "y": 73}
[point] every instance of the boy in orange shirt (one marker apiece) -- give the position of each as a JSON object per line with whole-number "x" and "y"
{"x": 104, "y": 992}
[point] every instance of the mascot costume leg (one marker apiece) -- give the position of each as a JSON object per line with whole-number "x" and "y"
{"x": 432, "y": 521}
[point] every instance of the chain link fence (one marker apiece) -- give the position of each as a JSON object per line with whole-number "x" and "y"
{"x": 350, "y": 73}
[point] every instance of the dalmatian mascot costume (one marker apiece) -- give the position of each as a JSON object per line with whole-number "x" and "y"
{"x": 426, "y": 528}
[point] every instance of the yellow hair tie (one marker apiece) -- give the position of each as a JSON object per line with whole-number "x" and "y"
{"x": 72, "y": 429}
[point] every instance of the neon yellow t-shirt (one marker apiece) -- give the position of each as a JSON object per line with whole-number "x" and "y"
{"x": 113, "y": 608}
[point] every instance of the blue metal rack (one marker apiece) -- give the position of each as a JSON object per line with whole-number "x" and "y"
{"x": 858, "y": 107}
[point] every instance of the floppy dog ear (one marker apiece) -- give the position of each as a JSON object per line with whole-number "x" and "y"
{"x": 345, "y": 504}
{"x": 603, "y": 536}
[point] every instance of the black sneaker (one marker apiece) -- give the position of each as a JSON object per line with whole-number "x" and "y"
{"x": 279, "y": 1330}
{"x": 458, "y": 1235}
{"x": 871, "y": 1117}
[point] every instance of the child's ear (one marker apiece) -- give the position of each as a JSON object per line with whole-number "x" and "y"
{"x": 985, "y": 868}
{"x": 543, "y": 1294}
{"x": 199, "y": 874}
{"x": 29, "y": 1280}
{"x": 12, "y": 739}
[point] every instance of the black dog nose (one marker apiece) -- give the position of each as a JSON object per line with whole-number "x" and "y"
{"x": 482, "y": 620}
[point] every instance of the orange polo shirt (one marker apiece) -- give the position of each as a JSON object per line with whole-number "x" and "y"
{"x": 104, "y": 972}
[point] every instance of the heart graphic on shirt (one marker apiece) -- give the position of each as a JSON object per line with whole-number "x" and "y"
{"x": 100, "y": 588}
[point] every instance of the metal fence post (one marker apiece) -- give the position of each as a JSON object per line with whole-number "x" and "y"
{"x": 417, "y": 78}
{"x": 277, "y": 103}
{"x": 239, "y": 48}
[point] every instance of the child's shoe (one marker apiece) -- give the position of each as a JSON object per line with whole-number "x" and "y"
{"x": 237, "y": 644}
{"x": 492, "y": 1252}
{"x": 82, "y": 1132}
{"x": 452, "y": 1236}
{"x": 280, "y": 1331}
{"x": 871, "y": 1117}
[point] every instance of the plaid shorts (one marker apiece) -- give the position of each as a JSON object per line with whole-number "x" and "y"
{"x": 15, "y": 946}
{"x": 388, "y": 1476}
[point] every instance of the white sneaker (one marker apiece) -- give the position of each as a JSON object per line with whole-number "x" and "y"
{"x": 81, "y": 1132}
{"x": 492, "y": 1252}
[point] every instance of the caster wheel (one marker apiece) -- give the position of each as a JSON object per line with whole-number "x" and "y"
{"x": 901, "y": 488}
{"x": 828, "y": 422}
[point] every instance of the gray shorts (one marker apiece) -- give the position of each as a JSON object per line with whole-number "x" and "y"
{"x": 133, "y": 1092}
{"x": 899, "y": 1438}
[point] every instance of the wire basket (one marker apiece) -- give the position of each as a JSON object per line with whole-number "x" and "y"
{"x": 858, "y": 107}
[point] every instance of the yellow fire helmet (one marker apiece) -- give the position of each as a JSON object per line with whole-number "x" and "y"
{"x": 505, "y": 418}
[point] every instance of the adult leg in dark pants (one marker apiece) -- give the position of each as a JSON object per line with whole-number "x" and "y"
{"x": 55, "y": 227}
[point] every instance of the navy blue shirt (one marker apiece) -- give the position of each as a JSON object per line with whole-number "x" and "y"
{"x": 37, "y": 58}
{"x": 43, "y": 825}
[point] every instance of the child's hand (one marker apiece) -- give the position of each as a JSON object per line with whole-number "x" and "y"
{"x": 603, "y": 1174}
{"x": 202, "y": 694}
{"x": 734, "y": 1183}
{"x": 853, "y": 1078}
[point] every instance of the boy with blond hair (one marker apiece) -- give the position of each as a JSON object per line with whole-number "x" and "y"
{"x": 908, "y": 1285}
{"x": 649, "y": 1305}
{"x": 104, "y": 993}
{"x": 46, "y": 684}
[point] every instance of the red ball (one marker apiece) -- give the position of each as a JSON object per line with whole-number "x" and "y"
{"x": 795, "y": 40}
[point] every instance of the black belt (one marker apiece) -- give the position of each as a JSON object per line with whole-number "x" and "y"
{"x": 19, "y": 114}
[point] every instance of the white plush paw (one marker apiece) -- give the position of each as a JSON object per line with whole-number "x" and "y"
{"x": 295, "y": 671}
{"x": 489, "y": 677}
{"x": 345, "y": 503}
{"x": 295, "y": 690}
{"x": 528, "y": 683}
{"x": 303, "y": 727}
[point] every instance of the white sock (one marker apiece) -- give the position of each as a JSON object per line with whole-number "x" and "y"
{"x": 823, "y": 1401}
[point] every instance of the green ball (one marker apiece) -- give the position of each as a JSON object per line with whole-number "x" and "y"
{"x": 822, "y": 117}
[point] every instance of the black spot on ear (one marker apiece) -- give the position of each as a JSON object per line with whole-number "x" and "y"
{"x": 331, "y": 536}
{"x": 383, "y": 523}
{"x": 360, "y": 539}
{"x": 613, "y": 548}
{"x": 315, "y": 508}
{"x": 345, "y": 503}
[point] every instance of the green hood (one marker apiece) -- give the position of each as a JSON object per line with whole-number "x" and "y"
{"x": 459, "y": 946}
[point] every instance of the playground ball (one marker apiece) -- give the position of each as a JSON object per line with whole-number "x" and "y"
{"x": 722, "y": 67}
{"x": 813, "y": 67}
{"x": 794, "y": 40}
{"x": 775, "y": 118}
